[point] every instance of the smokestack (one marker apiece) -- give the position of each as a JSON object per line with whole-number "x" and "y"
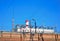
{"x": 27, "y": 23}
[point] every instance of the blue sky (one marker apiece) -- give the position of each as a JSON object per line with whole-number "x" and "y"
{"x": 46, "y": 12}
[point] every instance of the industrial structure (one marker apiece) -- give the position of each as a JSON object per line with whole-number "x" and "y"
{"x": 28, "y": 32}
{"x": 26, "y": 28}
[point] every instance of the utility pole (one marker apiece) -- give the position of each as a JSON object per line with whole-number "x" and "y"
{"x": 38, "y": 36}
{"x": 30, "y": 30}
{"x": 41, "y": 34}
{"x": 23, "y": 34}
{"x": 56, "y": 35}
{"x": 1, "y": 31}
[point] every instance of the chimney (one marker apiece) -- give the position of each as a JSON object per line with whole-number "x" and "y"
{"x": 27, "y": 23}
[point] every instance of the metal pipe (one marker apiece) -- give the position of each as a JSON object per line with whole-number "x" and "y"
{"x": 35, "y": 24}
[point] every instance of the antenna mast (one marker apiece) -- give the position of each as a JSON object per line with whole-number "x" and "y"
{"x": 13, "y": 20}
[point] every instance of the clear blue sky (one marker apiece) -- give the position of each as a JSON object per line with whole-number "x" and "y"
{"x": 46, "y": 12}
